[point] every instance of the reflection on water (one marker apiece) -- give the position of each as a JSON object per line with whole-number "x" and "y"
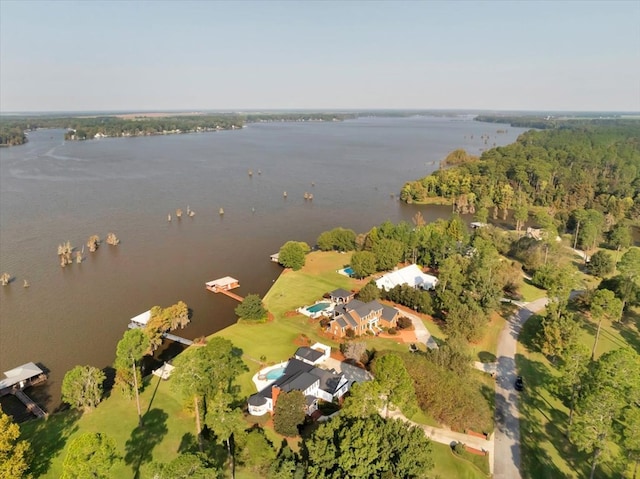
{"x": 52, "y": 191}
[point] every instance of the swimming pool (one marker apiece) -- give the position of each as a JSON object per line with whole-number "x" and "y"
{"x": 275, "y": 374}
{"x": 348, "y": 270}
{"x": 317, "y": 307}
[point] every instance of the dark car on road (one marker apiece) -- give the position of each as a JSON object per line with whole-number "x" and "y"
{"x": 519, "y": 384}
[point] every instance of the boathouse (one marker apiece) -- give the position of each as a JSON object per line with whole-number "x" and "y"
{"x": 223, "y": 284}
{"x": 22, "y": 377}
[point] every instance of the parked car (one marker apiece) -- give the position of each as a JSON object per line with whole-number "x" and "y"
{"x": 519, "y": 384}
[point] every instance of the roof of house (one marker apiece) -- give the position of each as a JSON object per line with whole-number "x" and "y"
{"x": 142, "y": 318}
{"x": 388, "y": 313}
{"x": 257, "y": 400}
{"x": 299, "y": 376}
{"x": 21, "y": 373}
{"x": 341, "y": 293}
{"x": 227, "y": 280}
{"x": 411, "y": 275}
{"x": 309, "y": 354}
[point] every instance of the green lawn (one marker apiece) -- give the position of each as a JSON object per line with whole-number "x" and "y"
{"x": 448, "y": 465}
{"x": 167, "y": 432}
{"x": 546, "y": 452}
{"x": 529, "y": 292}
{"x": 485, "y": 349}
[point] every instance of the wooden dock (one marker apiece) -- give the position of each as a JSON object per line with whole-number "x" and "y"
{"x": 177, "y": 339}
{"x": 224, "y": 285}
{"x": 31, "y": 405}
{"x": 231, "y": 295}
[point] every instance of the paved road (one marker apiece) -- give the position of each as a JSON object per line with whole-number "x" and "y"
{"x": 507, "y": 420}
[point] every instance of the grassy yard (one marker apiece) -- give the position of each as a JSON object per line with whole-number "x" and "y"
{"x": 546, "y": 451}
{"x": 448, "y": 465}
{"x": 485, "y": 349}
{"x": 168, "y": 431}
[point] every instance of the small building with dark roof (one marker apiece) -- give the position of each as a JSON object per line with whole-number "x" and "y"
{"x": 341, "y": 296}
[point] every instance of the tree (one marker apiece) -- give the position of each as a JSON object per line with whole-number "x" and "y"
{"x": 613, "y": 384}
{"x": 601, "y": 263}
{"x": 355, "y": 448}
{"x": 629, "y": 265}
{"x": 369, "y": 292}
{"x": 14, "y": 454}
{"x": 364, "y": 400}
{"x": 340, "y": 239}
{"x": 355, "y": 350}
{"x": 226, "y": 422}
{"x": 289, "y": 413}
{"x": 395, "y": 384}
{"x": 287, "y": 465}
{"x": 82, "y": 387}
{"x": 251, "y": 308}
{"x": 185, "y": 466}
{"x": 130, "y": 350}
{"x": 90, "y": 455}
{"x": 620, "y": 236}
{"x": 293, "y": 254}
{"x": 520, "y": 214}
{"x": 203, "y": 371}
{"x": 388, "y": 253}
{"x": 575, "y": 363}
{"x": 604, "y": 305}
{"x": 631, "y": 441}
{"x": 363, "y": 263}
{"x": 256, "y": 453}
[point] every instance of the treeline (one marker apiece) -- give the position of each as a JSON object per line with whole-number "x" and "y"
{"x": 11, "y": 135}
{"x": 12, "y": 130}
{"x": 593, "y": 166}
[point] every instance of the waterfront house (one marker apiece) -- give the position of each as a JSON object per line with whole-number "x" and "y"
{"x": 362, "y": 317}
{"x": 303, "y": 374}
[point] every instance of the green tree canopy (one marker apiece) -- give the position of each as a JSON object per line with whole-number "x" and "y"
{"x": 90, "y": 455}
{"x": 395, "y": 383}
{"x": 185, "y": 466}
{"x": 368, "y": 448}
{"x": 369, "y": 292}
{"x": 82, "y": 387}
{"x": 601, "y": 263}
{"x": 289, "y": 413}
{"x": 363, "y": 263}
{"x": 129, "y": 351}
{"x": 251, "y": 308}
{"x": 293, "y": 254}
{"x": 15, "y": 455}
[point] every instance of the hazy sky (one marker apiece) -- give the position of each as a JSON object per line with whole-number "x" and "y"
{"x": 69, "y": 56}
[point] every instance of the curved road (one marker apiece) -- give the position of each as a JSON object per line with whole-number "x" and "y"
{"x": 507, "y": 420}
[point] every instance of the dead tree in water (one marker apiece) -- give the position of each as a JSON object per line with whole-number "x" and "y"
{"x": 112, "y": 239}
{"x": 64, "y": 251}
{"x": 93, "y": 242}
{"x": 179, "y": 213}
{"x": 5, "y": 279}
{"x": 78, "y": 257}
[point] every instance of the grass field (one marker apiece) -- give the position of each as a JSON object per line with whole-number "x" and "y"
{"x": 546, "y": 451}
{"x": 167, "y": 432}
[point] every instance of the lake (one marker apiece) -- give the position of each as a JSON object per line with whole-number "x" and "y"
{"x": 52, "y": 191}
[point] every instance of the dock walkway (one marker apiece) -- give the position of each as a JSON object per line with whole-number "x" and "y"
{"x": 231, "y": 295}
{"x": 32, "y": 407}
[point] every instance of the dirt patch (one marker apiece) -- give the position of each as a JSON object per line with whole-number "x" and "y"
{"x": 403, "y": 336}
{"x": 302, "y": 340}
{"x": 270, "y": 317}
{"x": 291, "y": 314}
{"x": 337, "y": 355}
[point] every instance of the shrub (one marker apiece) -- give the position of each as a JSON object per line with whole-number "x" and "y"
{"x": 350, "y": 333}
{"x": 459, "y": 448}
{"x": 392, "y": 331}
{"x": 404, "y": 322}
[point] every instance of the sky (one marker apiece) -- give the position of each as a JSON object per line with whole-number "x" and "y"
{"x": 245, "y": 55}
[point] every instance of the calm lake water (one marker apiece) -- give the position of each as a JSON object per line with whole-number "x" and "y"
{"x": 52, "y": 191}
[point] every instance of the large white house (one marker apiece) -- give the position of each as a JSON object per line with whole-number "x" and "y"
{"x": 302, "y": 374}
{"x": 411, "y": 275}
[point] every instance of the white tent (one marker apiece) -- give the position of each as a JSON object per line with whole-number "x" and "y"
{"x": 411, "y": 275}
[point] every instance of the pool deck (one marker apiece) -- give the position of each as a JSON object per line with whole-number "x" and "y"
{"x": 315, "y": 314}
{"x": 260, "y": 378}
